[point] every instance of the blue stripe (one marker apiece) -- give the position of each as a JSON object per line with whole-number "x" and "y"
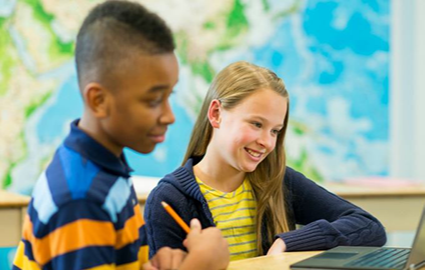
{"x": 28, "y": 250}
{"x": 143, "y": 236}
{"x": 240, "y": 209}
{"x": 100, "y": 186}
{"x": 14, "y": 267}
{"x": 126, "y": 213}
{"x": 117, "y": 198}
{"x": 243, "y": 243}
{"x": 230, "y": 204}
{"x": 57, "y": 181}
{"x": 79, "y": 172}
{"x": 128, "y": 253}
{"x": 83, "y": 258}
{"x": 43, "y": 201}
{"x": 128, "y": 210}
{"x": 75, "y": 210}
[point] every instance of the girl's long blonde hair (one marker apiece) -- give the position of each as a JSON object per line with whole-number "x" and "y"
{"x": 234, "y": 83}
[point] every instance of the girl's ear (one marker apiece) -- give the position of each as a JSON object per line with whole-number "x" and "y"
{"x": 214, "y": 113}
{"x": 96, "y": 99}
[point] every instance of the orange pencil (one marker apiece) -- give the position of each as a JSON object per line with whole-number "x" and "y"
{"x": 176, "y": 217}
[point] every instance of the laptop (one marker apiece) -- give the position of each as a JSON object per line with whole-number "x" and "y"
{"x": 371, "y": 257}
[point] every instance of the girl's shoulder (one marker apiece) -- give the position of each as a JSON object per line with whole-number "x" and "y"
{"x": 178, "y": 185}
{"x": 167, "y": 186}
{"x": 293, "y": 177}
{"x": 296, "y": 182}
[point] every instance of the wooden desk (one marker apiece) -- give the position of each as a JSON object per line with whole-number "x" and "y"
{"x": 275, "y": 262}
{"x": 13, "y": 208}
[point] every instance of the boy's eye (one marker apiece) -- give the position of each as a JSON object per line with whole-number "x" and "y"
{"x": 155, "y": 102}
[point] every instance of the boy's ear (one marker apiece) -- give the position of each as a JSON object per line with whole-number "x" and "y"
{"x": 214, "y": 113}
{"x": 96, "y": 98}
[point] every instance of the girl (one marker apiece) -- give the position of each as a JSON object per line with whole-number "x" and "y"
{"x": 234, "y": 177}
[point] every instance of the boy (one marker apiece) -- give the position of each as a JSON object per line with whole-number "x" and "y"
{"x": 84, "y": 212}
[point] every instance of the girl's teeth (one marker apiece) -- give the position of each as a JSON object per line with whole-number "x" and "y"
{"x": 253, "y": 153}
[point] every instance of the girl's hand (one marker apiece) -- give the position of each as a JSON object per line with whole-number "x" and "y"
{"x": 278, "y": 247}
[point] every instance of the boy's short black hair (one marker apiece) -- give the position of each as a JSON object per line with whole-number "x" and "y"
{"x": 112, "y": 33}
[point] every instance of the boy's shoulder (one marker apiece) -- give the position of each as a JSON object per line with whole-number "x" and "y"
{"x": 71, "y": 177}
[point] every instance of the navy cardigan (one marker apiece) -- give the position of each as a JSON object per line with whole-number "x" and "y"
{"x": 328, "y": 220}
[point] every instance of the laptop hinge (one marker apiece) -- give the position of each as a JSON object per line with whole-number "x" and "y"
{"x": 416, "y": 266}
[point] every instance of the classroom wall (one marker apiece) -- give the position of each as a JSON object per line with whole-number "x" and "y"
{"x": 407, "y": 90}
{"x": 348, "y": 108}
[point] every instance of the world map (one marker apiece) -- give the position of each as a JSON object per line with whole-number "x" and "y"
{"x": 332, "y": 54}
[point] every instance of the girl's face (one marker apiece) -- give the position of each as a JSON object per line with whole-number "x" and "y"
{"x": 247, "y": 133}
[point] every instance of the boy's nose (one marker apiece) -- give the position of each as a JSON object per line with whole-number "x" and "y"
{"x": 167, "y": 117}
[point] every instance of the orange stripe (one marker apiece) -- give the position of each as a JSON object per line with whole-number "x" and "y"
{"x": 70, "y": 237}
{"x": 130, "y": 232}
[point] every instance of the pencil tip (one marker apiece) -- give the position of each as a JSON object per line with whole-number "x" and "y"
{"x": 164, "y": 203}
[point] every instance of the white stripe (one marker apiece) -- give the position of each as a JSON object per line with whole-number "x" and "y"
{"x": 117, "y": 197}
{"x": 43, "y": 201}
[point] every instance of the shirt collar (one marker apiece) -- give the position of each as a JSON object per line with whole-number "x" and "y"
{"x": 89, "y": 148}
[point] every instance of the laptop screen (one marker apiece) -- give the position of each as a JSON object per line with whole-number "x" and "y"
{"x": 417, "y": 254}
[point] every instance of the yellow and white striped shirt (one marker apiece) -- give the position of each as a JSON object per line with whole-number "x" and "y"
{"x": 234, "y": 214}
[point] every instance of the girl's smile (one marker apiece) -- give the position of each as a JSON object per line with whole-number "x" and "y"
{"x": 256, "y": 155}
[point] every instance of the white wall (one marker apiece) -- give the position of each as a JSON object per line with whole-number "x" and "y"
{"x": 407, "y": 89}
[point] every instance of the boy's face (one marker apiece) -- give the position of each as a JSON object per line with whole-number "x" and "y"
{"x": 138, "y": 109}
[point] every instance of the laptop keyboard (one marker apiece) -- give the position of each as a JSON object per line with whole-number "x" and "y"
{"x": 385, "y": 257}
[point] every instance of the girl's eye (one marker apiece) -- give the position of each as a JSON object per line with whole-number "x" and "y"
{"x": 275, "y": 131}
{"x": 257, "y": 124}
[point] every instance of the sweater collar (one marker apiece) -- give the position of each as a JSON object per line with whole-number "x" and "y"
{"x": 185, "y": 179}
{"x": 89, "y": 148}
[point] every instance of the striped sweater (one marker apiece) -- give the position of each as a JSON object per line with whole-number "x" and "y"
{"x": 83, "y": 213}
